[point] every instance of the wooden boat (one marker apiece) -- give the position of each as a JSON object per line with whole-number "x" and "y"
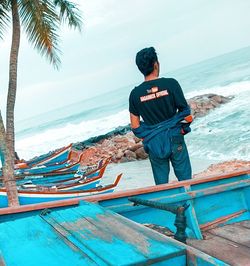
{"x": 85, "y": 182}
{"x": 77, "y": 185}
{"x": 65, "y": 177}
{"x": 216, "y": 211}
{"x": 76, "y": 232}
{"x": 30, "y": 197}
{"x": 60, "y": 156}
{"x": 53, "y": 168}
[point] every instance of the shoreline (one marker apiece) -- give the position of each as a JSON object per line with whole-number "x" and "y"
{"x": 138, "y": 174}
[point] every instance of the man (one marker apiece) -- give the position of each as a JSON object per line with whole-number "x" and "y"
{"x": 162, "y": 106}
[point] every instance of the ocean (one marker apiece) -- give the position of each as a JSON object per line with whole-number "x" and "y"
{"x": 223, "y": 134}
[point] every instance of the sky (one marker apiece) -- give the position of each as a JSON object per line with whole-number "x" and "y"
{"x": 101, "y": 58}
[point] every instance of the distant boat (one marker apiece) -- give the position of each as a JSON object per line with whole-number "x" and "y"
{"x": 57, "y": 157}
{"x": 51, "y": 162}
{"x": 80, "y": 182}
{"x": 67, "y": 166}
{"x": 65, "y": 177}
{"x": 27, "y": 196}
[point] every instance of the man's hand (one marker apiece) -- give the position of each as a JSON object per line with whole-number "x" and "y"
{"x": 134, "y": 120}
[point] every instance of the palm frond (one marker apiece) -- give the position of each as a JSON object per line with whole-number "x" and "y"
{"x": 69, "y": 13}
{"x": 41, "y": 24}
{"x": 4, "y": 17}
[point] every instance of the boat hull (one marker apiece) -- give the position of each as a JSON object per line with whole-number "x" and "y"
{"x": 33, "y": 197}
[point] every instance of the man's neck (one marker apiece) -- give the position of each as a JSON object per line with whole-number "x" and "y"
{"x": 151, "y": 76}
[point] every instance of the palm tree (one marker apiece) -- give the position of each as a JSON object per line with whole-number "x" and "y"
{"x": 41, "y": 20}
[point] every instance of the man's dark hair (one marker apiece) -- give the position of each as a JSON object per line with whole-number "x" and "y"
{"x": 145, "y": 60}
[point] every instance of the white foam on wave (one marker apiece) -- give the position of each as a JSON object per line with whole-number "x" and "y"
{"x": 224, "y": 133}
{"x": 228, "y": 90}
{"x": 40, "y": 143}
{"x": 203, "y": 131}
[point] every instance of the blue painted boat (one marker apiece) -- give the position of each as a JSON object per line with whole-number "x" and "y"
{"x": 87, "y": 234}
{"x": 77, "y": 183}
{"x": 55, "y": 168}
{"x": 214, "y": 211}
{"x": 43, "y": 169}
{"x": 29, "y": 196}
{"x": 60, "y": 156}
{"x": 65, "y": 177}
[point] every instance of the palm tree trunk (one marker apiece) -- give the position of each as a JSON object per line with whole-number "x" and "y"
{"x": 2, "y": 139}
{"x": 8, "y": 167}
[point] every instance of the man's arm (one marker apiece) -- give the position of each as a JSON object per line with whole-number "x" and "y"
{"x": 134, "y": 120}
{"x": 179, "y": 98}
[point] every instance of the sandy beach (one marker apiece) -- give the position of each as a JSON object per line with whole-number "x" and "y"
{"x": 139, "y": 174}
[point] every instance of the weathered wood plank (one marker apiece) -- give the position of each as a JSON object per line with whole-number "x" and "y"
{"x": 223, "y": 249}
{"x": 27, "y": 241}
{"x": 221, "y": 220}
{"x": 245, "y": 224}
{"x": 106, "y": 237}
{"x": 2, "y": 263}
{"x": 235, "y": 233}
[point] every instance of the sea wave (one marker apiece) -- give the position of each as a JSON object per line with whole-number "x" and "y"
{"x": 232, "y": 89}
{"x": 50, "y": 139}
{"x": 224, "y": 133}
{"x": 226, "y": 129}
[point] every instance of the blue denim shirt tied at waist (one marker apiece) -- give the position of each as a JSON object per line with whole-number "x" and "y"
{"x": 157, "y": 138}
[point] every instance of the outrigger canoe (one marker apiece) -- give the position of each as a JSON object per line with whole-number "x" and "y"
{"x": 66, "y": 167}
{"x": 84, "y": 182}
{"x": 57, "y": 157}
{"x": 29, "y": 196}
{"x": 53, "y": 168}
{"x": 65, "y": 177}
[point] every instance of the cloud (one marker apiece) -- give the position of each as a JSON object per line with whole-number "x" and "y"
{"x": 102, "y": 57}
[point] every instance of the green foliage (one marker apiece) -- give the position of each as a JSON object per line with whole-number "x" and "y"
{"x": 69, "y": 13}
{"x": 41, "y": 20}
{"x": 4, "y": 17}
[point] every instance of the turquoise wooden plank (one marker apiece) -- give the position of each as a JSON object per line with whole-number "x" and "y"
{"x": 206, "y": 201}
{"x": 215, "y": 206}
{"x": 192, "y": 221}
{"x": 246, "y": 195}
{"x": 218, "y": 182}
{"x": 107, "y": 236}
{"x": 30, "y": 241}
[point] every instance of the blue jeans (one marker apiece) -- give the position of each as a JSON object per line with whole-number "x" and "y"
{"x": 179, "y": 158}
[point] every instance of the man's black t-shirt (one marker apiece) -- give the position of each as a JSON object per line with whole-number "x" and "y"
{"x": 157, "y": 100}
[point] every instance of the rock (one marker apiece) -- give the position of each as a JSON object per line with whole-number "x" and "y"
{"x": 141, "y": 154}
{"x": 135, "y": 147}
{"x": 192, "y": 105}
{"x": 217, "y": 98}
{"x": 137, "y": 140}
{"x": 201, "y": 105}
{"x": 124, "y": 160}
{"x": 119, "y": 155}
{"x": 123, "y": 146}
{"x": 214, "y": 103}
{"x": 226, "y": 99}
{"x": 130, "y": 154}
{"x": 120, "y": 140}
{"x": 220, "y": 168}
